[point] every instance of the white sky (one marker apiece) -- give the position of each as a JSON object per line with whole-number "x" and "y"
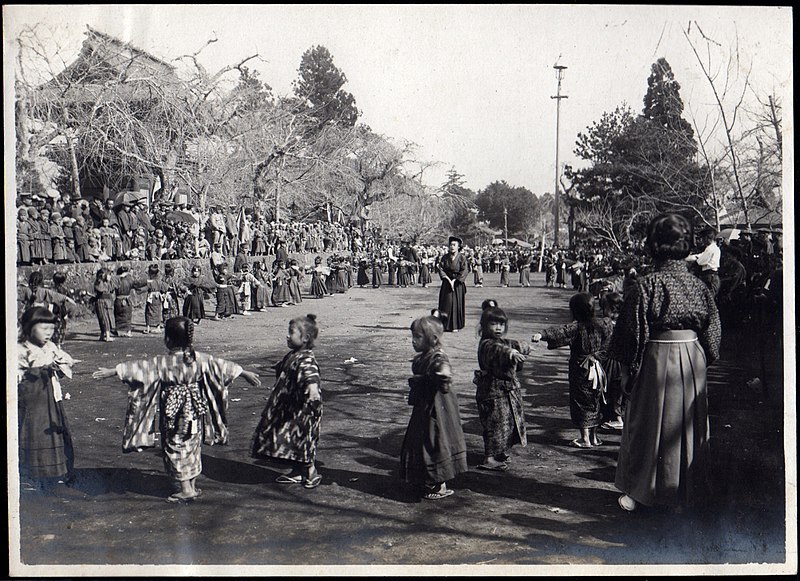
{"x": 470, "y": 84}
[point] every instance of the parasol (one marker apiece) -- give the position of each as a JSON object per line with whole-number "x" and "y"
{"x": 181, "y": 216}
{"x": 127, "y": 197}
{"x": 729, "y": 234}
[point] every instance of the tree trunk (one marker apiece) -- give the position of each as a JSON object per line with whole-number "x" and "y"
{"x": 73, "y": 159}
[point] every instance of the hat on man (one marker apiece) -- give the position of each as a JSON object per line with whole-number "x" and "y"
{"x": 455, "y": 239}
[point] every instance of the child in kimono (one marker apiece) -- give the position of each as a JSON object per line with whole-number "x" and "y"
{"x": 499, "y": 393}
{"x": 318, "y": 289}
{"x": 104, "y": 288}
{"x": 45, "y": 441}
{"x": 295, "y": 278}
{"x": 616, "y": 400}
{"x": 123, "y": 305}
{"x": 227, "y": 305}
{"x": 280, "y": 286}
{"x": 262, "y": 297}
{"x": 171, "y": 308}
{"x": 434, "y": 450}
{"x": 189, "y": 391}
{"x": 247, "y": 287}
{"x": 156, "y": 299}
{"x": 195, "y": 288}
{"x": 61, "y": 309}
{"x": 289, "y": 425}
{"x": 588, "y": 338}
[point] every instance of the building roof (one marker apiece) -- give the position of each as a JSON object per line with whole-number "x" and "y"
{"x": 104, "y": 61}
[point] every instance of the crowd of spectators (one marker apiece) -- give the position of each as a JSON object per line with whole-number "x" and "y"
{"x": 64, "y": 231}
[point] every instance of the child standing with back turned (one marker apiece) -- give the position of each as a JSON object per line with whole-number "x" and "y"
{"x": 433, "y": 449}
{"x": 189, "y": 391}
{"x": 498, "y": 393}
{"x": 289, "y": 426}
{"x": 587, "y": 337}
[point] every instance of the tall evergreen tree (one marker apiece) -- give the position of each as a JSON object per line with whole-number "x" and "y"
{"x": 319, "y": 89}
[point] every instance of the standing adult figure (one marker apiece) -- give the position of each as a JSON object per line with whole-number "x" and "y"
{"x": 708, "y": 260}
{"x": 452, "y": 295}
{"x": 667, "y": 333}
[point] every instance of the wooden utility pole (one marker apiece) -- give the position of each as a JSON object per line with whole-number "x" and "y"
{"x": 559, "y": 75}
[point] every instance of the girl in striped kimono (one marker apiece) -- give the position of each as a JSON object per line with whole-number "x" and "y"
{"x": 189, "y": 392}
{"x": 289, "y": 426}
{"x": 123, "y": 307}
{"x": 588, "y": 338}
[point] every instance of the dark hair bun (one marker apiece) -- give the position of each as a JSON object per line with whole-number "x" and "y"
{"x": 489, "y": 303}
{"x": 312, "y": 317}
{"x": 669, "y": 236}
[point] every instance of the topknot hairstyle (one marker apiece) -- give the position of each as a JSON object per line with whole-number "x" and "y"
{"x": 308, "y": 325}
{"x": 492, "y": 313}
{"x": 431, "y": 326}
{"x": 669, "y": 237}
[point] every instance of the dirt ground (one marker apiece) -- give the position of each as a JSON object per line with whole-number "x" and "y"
{"x": 556, "y": 505}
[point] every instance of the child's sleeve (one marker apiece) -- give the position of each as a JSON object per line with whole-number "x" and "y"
{"x": 308, "y": 378}
{"x": 496, "y": 356}
{"x": 143, "y": 371}
{"x": 226, "y": 371}
{"x": 559, "y": 336}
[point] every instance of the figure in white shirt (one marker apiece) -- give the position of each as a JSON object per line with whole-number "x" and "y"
{"x": 708, "y": 260}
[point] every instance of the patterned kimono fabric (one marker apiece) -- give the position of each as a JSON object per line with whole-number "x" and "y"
{"x": 191, "y": 400}
{"x": 45, "y": 441}
{"x": 667, "y": 333}
{"x": 499, "y": 397}
{"x": 287, "y": 430}
{"x": 434, "y": 449}
{"x": 587, "y": 378}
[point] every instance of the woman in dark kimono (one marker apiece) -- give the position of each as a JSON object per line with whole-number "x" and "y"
{"x": 667, "y": 333}
{"x": 452, "y": 296}
{"x": 434, "y": 450}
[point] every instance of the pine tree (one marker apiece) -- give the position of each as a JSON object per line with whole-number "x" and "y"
{"x": 319, "y": 88}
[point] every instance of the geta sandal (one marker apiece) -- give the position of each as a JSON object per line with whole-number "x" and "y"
{"x": 436, "y": 495}
{"x": 314, "y": 482}
{"x": 286, "y": 479}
